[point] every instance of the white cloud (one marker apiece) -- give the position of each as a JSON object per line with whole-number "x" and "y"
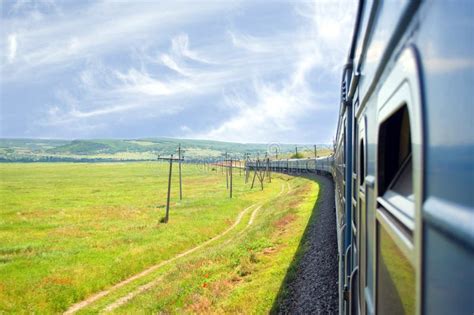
{"x": 104, "y": 27}
{"x": 12, "y": 46}
{"x": 180, "y": 46}
{"x": 268, "y": 82}
{"x": 275, "y": 112}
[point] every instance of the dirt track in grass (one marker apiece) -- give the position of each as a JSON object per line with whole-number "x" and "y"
{"x": 121, "y": 301}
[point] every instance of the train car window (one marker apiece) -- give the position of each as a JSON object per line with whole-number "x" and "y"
{"x": 395, "y": 168}
{"x": 395, "y": 278}
{"x": 395, "y": 273}
{"x": 394, "y": 148}
{"x": 399, "y": 194}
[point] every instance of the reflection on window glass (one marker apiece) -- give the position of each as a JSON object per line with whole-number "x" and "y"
{"x": 404, "y": 183}
{"x": 395, "y": 278}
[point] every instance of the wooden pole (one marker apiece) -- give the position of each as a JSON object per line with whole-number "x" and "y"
{"x": 247, "y": 171}
{"x": 180, "y": 180}
{"x": 254, "y": 173}
{"x": 261, "y": 174}
{"x": 230, "y": 178}
{"x": 167, "y": 215}
{"x": 226, "y": 172}
{"x": 269, "y": 171}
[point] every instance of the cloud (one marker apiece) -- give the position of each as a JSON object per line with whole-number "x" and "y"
{"x": 99, "y": 29}
{"x": 12, "y": 46}
{"x": 265, "y": 118}
{"x": 180, "y": 47}
{"x": 275, "y": 112}
{"x": 102, "y": 88}
{"x": 110, "y": 64}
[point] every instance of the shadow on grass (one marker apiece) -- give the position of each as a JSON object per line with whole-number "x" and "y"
{"x": 283, "y": 292}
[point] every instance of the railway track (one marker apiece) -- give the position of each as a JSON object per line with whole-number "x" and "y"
{"x": 314, "y": 289}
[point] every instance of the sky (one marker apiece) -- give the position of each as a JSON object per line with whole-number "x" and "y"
{"x": 243, "y": 71}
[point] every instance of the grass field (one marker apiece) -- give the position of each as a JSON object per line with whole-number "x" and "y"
{"x": 69, "y": 231}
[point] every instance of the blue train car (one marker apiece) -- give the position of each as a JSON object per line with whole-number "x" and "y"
{"x": 321, "y": 165}
{"x": 404, "y": 160}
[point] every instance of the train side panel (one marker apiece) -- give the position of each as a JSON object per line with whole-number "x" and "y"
{"x": 411, "y": 206}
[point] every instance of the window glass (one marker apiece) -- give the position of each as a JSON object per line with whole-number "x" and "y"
{"x": 394, "y": 147}
{"x": 403, "y": 184}
{"x": 395, "y": 278}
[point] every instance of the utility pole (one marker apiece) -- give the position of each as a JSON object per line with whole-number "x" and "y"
{"x": 254, "y": 173}
{"x": 226, "y": 172}
{"x": 247, "y": 166}
{"x": 259, "y": 172}
{"x": 180, "y": 180}
{"x": 261, "y": 176}
{"x": 269, "y": 171}
{"x": 170, "y": 159}
{"x": 167, "y": 215}
{"x": 230, "y": 178}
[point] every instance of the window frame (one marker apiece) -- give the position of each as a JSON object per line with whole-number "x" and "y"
{"x": 402, "y": 87}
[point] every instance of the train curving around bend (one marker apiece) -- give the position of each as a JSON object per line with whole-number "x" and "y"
{"x": 404, "y": 160}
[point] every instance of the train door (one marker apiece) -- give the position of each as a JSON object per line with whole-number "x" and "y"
{"x": 398, "y": 190}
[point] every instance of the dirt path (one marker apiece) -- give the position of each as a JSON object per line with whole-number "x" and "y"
{"x": 80, "y": 305}
{"x": 125, "y": 299}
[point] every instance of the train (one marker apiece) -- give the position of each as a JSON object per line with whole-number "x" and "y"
{"x": 403, "y": 162}
{"x": 320, "y": 165}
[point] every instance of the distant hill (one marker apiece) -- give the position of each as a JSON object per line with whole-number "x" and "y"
{"x": 100, "y": 150}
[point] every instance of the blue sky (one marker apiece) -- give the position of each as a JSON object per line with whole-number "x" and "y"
{"x": 245, "y": 71}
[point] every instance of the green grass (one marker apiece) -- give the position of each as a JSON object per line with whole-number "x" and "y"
{"x": 70, "y": 230}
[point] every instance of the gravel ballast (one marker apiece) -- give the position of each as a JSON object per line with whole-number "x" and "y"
{"x": 314, "y": 289}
